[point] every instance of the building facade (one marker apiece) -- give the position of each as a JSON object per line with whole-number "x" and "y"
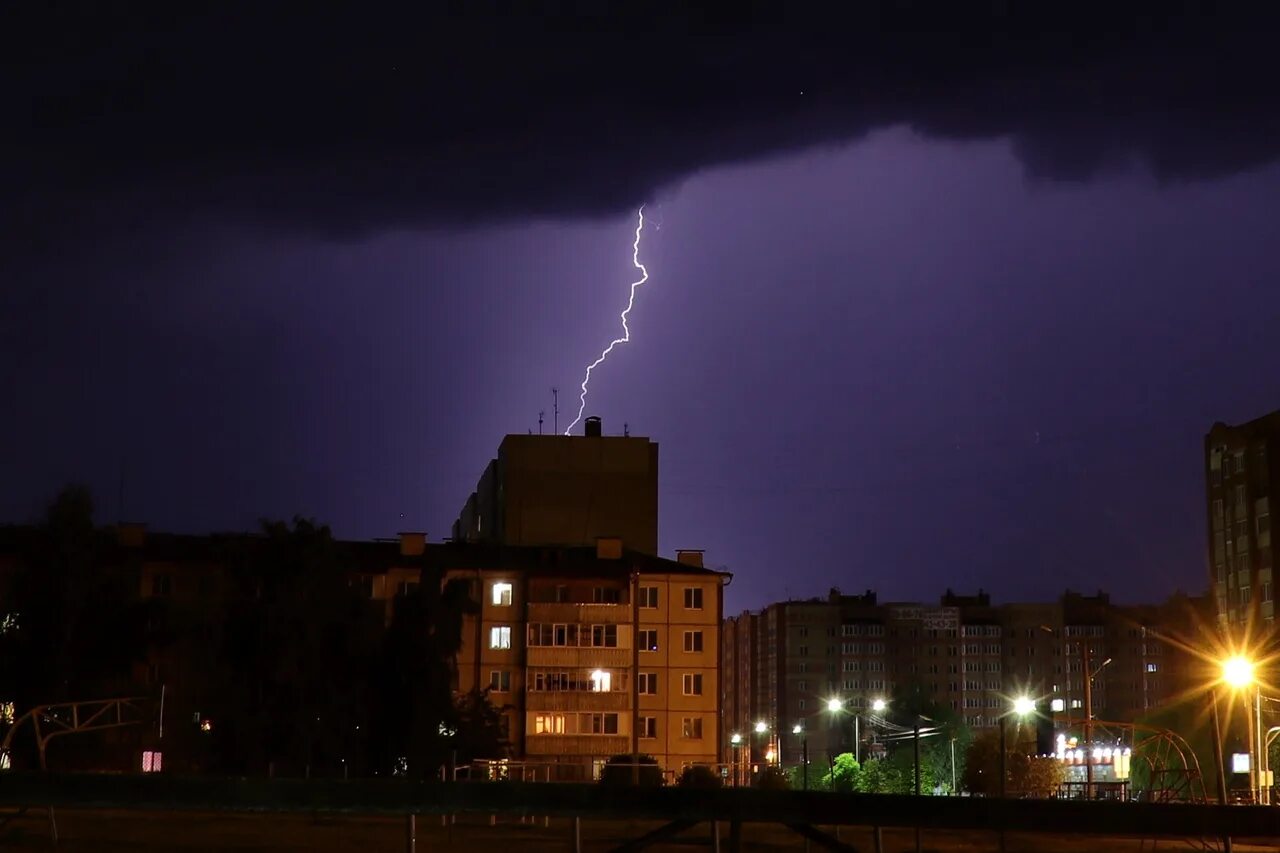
{"x": 566, "y": 490}
{"x": 1239, "y": 467}
{"x": 963, "y": 653}
{"x": 594, "y": 653}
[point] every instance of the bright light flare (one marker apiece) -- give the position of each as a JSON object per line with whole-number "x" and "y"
{"x": 879, "y": 705}
{"x": 761, "y": 727}
{"x": 1237, "y": 671}
{"x": 834, "y": 705}
{"x": 626, "y": 330}
{"x": 796, "y": 729}
{"x": 1023, "y": 705}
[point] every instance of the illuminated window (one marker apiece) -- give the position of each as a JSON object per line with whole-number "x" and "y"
{"x": 648, "y": 640}
{"x": 500, "y": 637}
{"x": 693, "y": 684}
{"x": 649, "y": 597}
{"x": 691, "y": 728}
{"x": 6, "y": 712}
{"x": 601, "y": 681}
{"x": 502, "y": 594}
{"x": 151, "y": 762}
{"x": 548, "y": 724}
{"x": 693, "y": 598}
{"x": 693, "y": 641}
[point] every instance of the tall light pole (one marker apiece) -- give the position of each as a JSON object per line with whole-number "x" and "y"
{"x": 1238, "y": 674}
{"x": 1022, "y": 706}
{"x": 1087, "y": 669}
{"x": 798, "y": 729}
{"x": 735, "y": 741}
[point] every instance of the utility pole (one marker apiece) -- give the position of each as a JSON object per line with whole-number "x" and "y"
{"x": 1088, "y": 719}
{"x": 1217, "y": 755}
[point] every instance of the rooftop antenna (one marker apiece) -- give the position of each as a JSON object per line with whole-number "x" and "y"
{"x": 555, "y": 410}
{"x": 626, "y": 430}
{"x": 540, "y": 416}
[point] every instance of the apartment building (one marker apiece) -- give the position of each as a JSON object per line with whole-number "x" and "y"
{"x": 963, "y": 652}
{"x": 597, "y": 652}
{"x": 566, "y": 490}
{"x": 1239, "y": 467}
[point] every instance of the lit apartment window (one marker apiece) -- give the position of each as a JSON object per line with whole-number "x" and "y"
{"x": 649, "y": 597}
{"x": 693, "y": 598}
{"x": 1076, "y": 704}
{"x": 691, "y": 728}
{"x": 548, "y": 724}
{"x": 151, "y": 762}
{"x": 601, "y": 681}
{"x": 501, "y": 594}
{"x": 1057, "y": 706}
{"x": 648, "y": 728}
{"x": 648, "y": 640}
{"x": 648, "y": 683}
{"x": 1153, "y": 667}
{"x": 693, "y": 684}
{"x": 500, "y": 681}
{"x": 693, "y": 641}
{"x": 500, "y": 637}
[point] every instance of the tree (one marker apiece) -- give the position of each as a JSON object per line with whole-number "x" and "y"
{"x": 880, "y": 776}
{"x": 69, "y": 629}
{"x": 1026, "y": 775}
{"x": 700, "y": 777}
{"x": 477, "y": 728}
{"x": 844, "y": 774}
{"x": 620, "y": 770}
{"x": 772, "y": 779}
{"x": 818, "y": 778}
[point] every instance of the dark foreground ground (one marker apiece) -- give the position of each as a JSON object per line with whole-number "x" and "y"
{"x": 118, "y": 831}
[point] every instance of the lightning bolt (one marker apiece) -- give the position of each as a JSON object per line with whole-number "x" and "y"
{"x": 626, "y": 330}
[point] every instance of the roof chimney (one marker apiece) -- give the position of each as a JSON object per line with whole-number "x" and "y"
{"x": 131, "y": 534}
{"x": 413, "y": 544}
{"x": 591, "y": 426}
{"x": 689, "y": 557}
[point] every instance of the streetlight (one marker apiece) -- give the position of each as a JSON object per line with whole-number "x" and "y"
{"x": 879, "y": 705}
{"x": 1022, "y": 706}
{"x": 762, "y": 727}
{"x": 1238, "y": 673}
{"x": 798, "y": 729}
{"x": 735, "y": 740}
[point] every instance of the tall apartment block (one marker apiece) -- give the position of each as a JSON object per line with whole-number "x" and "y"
{"x": 784, "y": 664}
{"x": 1239, "y": 464}
{"x": 566, "y": 490}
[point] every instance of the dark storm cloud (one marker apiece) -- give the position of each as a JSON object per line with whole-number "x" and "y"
{"x": 343, "y": 122}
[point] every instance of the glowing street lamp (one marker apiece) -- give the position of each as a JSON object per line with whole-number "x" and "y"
{"x": 1238, "y": 673}
{"x": 735, "y": 739}
{"x": 762, "y": 727}
{"x": 1023, "y": 705}
{"x": 834, "y": 705}
{"x": 879, "y": 705}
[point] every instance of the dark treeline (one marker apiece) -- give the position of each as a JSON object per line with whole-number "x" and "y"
{"x": 289, "y": 665}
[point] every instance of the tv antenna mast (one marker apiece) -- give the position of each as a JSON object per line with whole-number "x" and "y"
{"x": 555, "y": 410}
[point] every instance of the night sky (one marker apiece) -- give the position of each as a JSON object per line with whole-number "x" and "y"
{"x": 937, "y": 298}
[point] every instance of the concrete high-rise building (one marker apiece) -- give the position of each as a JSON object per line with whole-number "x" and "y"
{"x": 566, "y": 491}
{"x": 1239, "y": 465}
{"x": 792, "y": 658}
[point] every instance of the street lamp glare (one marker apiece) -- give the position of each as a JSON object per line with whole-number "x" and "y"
{"x": 1023, "y": 706}
{"x": 879, "y": 705}
{"x": 1237, "y": 671}
{"x": 834, "y": 705}
{"x": 795, "y": 730}
{"x": 735, "y": 739}
{"x": 761, "y": 727}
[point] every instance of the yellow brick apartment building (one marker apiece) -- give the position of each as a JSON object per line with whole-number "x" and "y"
{"x": 597, "y": 652}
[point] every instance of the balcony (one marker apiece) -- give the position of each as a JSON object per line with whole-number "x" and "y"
{"x": 579, "y": 613}
{"x": 602, "y": 746}
{"x": 586, "y": 657}
{"x": 577, "y": 700}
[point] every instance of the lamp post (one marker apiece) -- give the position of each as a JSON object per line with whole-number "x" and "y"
{"x": 798, "y": 729}
{"x": 835, "y": 706}
{"x": 735, "y": 741}
{"x": 1089, "y": 674}
{"x": 1021, "y": 707}
{"x": 1238, "y": 674}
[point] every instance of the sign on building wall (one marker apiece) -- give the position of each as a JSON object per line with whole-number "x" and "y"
{"x": 938, "y": 618}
